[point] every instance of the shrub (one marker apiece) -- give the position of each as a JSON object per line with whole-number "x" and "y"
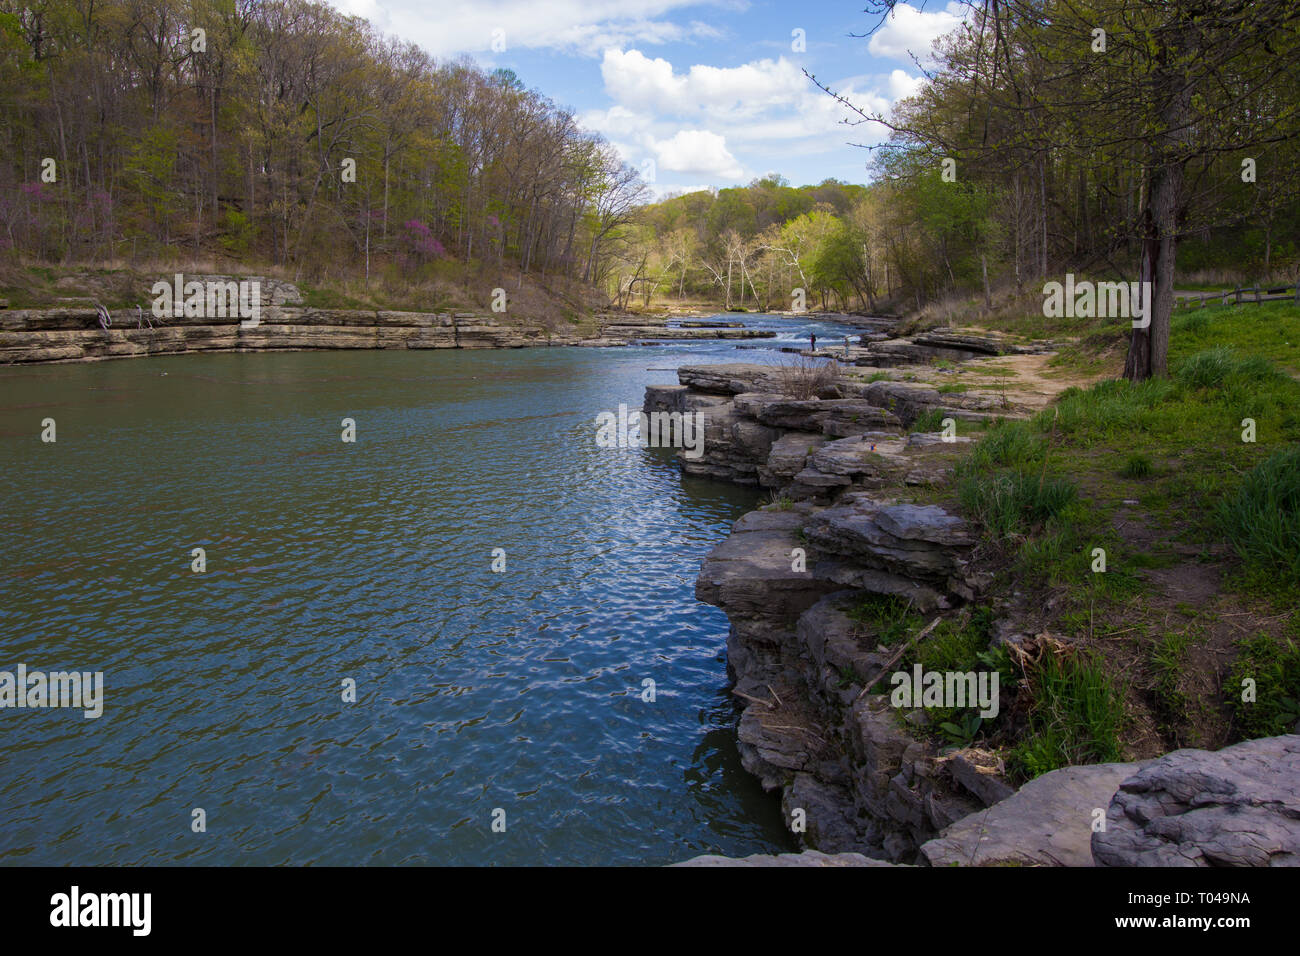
{"x": 809, "y": 378}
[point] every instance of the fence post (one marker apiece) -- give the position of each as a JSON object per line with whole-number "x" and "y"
{"x": 1258, "y": 299}
{"x": 1297, "y": 291}
{"x": 1237, "y": 293}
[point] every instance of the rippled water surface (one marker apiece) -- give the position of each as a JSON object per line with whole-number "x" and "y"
{"x": 519, "y": 690}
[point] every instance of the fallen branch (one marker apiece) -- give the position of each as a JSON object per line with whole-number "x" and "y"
{"x": 899, "y": 656}
{"x": 770, "y": 705}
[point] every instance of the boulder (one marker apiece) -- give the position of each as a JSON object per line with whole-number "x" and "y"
{"x": 1239, "y": 806}
{"x": 1047, "y": 822}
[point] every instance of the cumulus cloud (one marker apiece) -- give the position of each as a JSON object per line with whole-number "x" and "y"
{"x": 903, "y": 85}
{"x": 573, "y": 26}
{"x": 722, "y": 122}
{"x": 635, "y": 80}
{"x": 909, "y": 31}
{"x": 697, "y": 151}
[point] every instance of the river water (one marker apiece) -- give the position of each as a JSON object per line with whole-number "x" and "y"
{"x": 516, "y": 696}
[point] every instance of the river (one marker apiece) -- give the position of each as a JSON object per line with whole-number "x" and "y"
{"x": 513, "y": 696}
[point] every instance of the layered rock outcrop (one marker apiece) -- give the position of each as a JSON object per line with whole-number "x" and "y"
{"x": 856, "y": 781}
{"x": 1239, "y": 806}
{"x": 77, "y": 333}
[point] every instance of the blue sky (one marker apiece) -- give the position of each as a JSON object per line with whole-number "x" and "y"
{"x": 693, "y": 94}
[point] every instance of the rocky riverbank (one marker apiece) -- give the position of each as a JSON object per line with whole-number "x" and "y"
{"x": 847, "y": 459}
{"x": 77, "y": 333}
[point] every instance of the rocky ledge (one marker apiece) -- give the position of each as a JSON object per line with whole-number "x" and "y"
{"x": 813, "y": 723}
{"x": 76, "y": 333}
{"x": 1239, "y": 806}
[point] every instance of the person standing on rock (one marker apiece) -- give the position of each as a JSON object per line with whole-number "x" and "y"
{"x": 813, "y": 340}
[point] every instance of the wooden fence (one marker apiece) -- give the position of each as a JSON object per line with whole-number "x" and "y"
{"x": 1240, "y": 294}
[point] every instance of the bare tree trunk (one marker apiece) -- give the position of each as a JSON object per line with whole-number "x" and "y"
{"x": 1149, "y": 348}
{"x": 1042, "y": 214}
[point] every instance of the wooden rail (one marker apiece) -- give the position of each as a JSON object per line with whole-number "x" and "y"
{"x": 1275, "y": 294}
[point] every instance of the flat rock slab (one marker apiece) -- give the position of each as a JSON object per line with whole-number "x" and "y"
{"x": 751, "y": 572}
{"x": 1047, "y": 822}
{"x": 1239, "y": 806}
{"x": 806, "y": 858}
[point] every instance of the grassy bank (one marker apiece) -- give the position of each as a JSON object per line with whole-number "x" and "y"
{"x": 1147, "y": 539}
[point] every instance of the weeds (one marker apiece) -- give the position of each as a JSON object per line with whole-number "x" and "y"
{"x": 1263, "y": 687}
{"x": 1075, "y": 717}
{"x": 1261, "y": 521}
{"x": 809, "y": 378}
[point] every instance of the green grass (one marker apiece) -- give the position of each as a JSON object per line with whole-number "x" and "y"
{"x": 1006, "y": 444}
{"x": 890, "y": 618}
{"x": 1261, "y": 520}
{"x": 1270, "y": 331}
{"x": 1052, "y": 488}
{"x": 1118, "y": 429}
{"x": 961, "y": 644}
{"x": 1167, "y": 657}
{"x": 1274, "y": 666}
{"x": 931, "y": 420}
{"x": 1076, "y": 715}
{"x": 1014, "y": 502}
{"x": 314, "y": 297}
{"x": 955, "y": 644}
{"x": 1137, "y": 466}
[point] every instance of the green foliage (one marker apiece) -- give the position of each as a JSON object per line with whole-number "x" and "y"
{"x": 1261, "y": 520}
{"x": 237, "y": 232}
{"x": 930, "y": 420}
{"x": 956, "y": 643}
{"x": 1136, "y": 465}
{"x": 963, "y": 730}
{"x": 1274, "y": 667}
{"x": 1075, "y": 716}
{"x": 1014, "y": 502}
{"x": 890, "y": 618}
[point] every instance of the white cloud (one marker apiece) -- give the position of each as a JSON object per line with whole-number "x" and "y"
{"x": 698, "y": 151}
{"x": 576, "y": 26}
{"x": 903, "y": 85}
{"x": 909, "y": 31}
{"x": 635, "y": 80}
{"x": 719, "y": 122}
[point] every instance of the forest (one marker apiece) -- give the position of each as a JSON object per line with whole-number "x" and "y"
{"x": 1030, "y": 148}
{"x": 284, "y": 132}
{"x": 1117, "y": 139}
